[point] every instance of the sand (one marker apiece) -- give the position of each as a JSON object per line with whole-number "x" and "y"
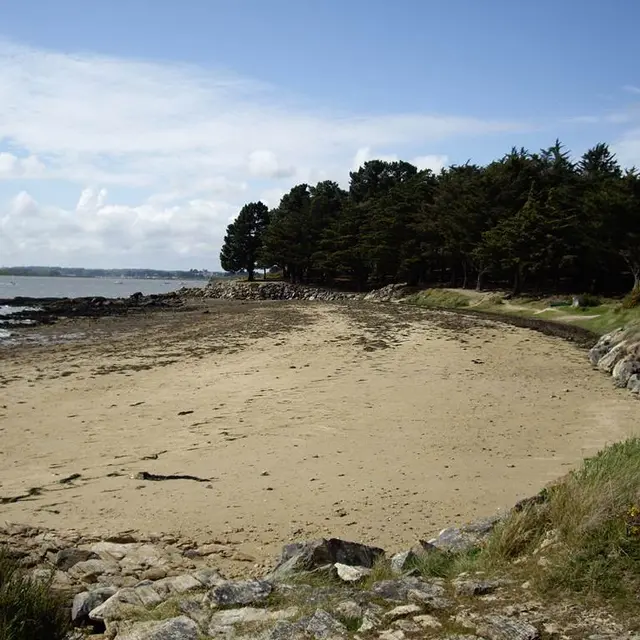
{"x": 375, "y": 423}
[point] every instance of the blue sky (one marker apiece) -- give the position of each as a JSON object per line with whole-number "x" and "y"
{"x": 131, "y": 132}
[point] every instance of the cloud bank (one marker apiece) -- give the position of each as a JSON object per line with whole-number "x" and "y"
{"x": 161, "y": 156}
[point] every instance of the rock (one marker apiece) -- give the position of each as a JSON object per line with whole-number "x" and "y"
{"x": 465, "y": 538}
{"x": 180, "y": 628}
{"x": 408, "y": 626}
{"x": 464, "y": 587}
{"x": 221, "y": 621}
{"x": 85, "y": 602}
{"x": 399, "y": 590}
{"x": 633, "y": 384}
{"x": 604, "y": 345}
{"x": 609, "y": 361}
{"x": 323, "y": 626}
{"x": 109, "y": 550}
{"x": 403, "y": 562}
{"x": 117, "y": 606}
{"x": 284, "y": 630}
{"x": 208, "y": 577}
{"x": 349, "y": 609}
{"x": 90, "y": 570}
{"x": 240, "y": 593}
{"x": 319, "y": 553}
{"x": 402, "y": 612}
{"x": 389, "y": 293}
{"x": 624, "y": 369}
{"x": 496, "y": 627}
{"x": 67, "y": 558}
{"x": 428, "y": 622}
{"x": 154, "y": 573}
{"x": 392, "y": 635}
{"x": 351, "y": 574}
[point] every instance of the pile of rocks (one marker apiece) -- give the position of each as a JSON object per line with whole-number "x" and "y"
{"x": 266, "y": 290}
{"x": 618, "y": 354}
{"x": 162, "y": 588}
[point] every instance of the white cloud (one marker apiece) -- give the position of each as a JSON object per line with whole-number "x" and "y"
{"x": 627, "y": 149}
{"x": 181, "y": 148}
{"x": 434, "y": 162}
{"x": 264, "y": 164}
{"x": 630, "y": 88}
{"x": 12, "y": 167}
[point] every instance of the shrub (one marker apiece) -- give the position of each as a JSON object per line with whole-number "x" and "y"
{"x": 588, "y": 300}
{"x": 29, "y": 608}
{"x": 440, "y": 298}
{"x": 632, "y": 299}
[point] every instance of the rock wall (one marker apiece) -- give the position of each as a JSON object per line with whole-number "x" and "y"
{"x": 618, "y": 354}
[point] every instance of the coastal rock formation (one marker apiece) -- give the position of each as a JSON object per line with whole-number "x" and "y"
{"x": 114, "y": 594}
{"x": 618, "y": 353}
{"x": 265, "y": 290}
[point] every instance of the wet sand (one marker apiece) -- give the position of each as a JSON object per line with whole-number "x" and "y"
{"x": 376, "y": 423}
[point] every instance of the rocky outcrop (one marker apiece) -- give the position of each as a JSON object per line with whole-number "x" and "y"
{"x": 266, "y": 290}
{"x": 618, "y": 354}
{"x": 163, "y": 588}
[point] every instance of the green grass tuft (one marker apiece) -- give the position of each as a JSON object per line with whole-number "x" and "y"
{"x": 29, "y": 609}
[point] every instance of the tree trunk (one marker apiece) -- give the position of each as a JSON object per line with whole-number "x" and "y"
{"x": 465, "y": 274}
{"x": 480, "y": 280}
{"x": 250, "y": 275}
{"x": 264, "y": 273}
{"x": 517, "y": 282}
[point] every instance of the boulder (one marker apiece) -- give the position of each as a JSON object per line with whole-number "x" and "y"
{"x": 180, "y": 628}
{"x": 468, "y": 587}
{"x": 624, "y": 369}
{"x": 604, "y": 345}
{"x": 613, "y": 356}
{"x": 67, "y": 558}
{"x": 633, "y": 384}
{"x": 465, "y": 538}
{"x": 401, "y": 589}
{"x": 90, "y": 570}
{"x": 347, "y": 573}
{"x": 319, "y": 553}
{"x": 241, "y": 593}
{"x": 85, "y": 602}
{"x": 323, "y": 626}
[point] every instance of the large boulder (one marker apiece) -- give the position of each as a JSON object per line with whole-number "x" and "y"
{"x": 605, "y": 344}
{"x": 312, "y": 555}
{"x": 624, "y": 369}
{"x": 85, "y": 602}
{"x": 241, "y": 593}
{"x": 465, "y": 538}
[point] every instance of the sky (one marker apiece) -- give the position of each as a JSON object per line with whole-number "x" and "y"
{"x": 133, "y": 131}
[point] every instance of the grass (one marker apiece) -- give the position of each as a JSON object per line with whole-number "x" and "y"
{"x": 600, "y": 318}
{"x": 440, "y": 298}
{"x": 589, "y": 527}
{"x": 29, "y": 609}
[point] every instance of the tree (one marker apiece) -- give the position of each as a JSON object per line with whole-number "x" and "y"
{"x": 243, "y": 239}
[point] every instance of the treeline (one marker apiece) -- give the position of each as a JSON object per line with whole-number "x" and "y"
{"x": 534, "y": 221}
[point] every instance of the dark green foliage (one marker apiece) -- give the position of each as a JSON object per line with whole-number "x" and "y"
{"x": 242, "y": 248}
{"x": 530, "y": 221}
{"x": 29, "y": 609}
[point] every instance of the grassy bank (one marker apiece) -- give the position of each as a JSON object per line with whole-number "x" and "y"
{"x": 599, "y": 317}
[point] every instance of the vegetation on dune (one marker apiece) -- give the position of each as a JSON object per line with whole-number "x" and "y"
{"x": 528, "y": 221}
{"x": 29, "y": 608}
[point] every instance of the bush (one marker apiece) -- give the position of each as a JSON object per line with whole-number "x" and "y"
{"x": 588, "y": 300}
{"x": 29, "y": 608}
{"x": 632, "y": 299}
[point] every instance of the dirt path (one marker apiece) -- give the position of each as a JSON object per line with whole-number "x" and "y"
{"x": 374, "y": 423}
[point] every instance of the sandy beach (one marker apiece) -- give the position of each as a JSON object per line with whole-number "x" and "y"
{"x": 375, "y": 423}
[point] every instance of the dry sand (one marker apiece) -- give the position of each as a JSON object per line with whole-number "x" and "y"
{"x": 380, "y": 424}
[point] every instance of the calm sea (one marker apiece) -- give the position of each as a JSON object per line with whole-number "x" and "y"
{"x": 33, "y": 287}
